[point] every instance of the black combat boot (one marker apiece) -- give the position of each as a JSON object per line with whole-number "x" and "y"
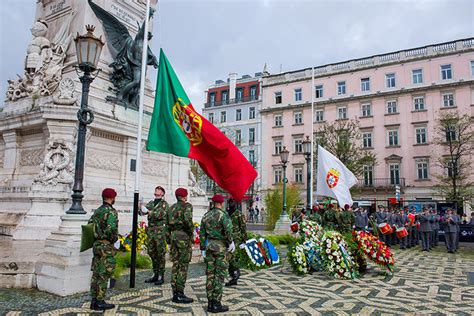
{"x": 210, "y": 305}
{"x": 217, "y": 307}
{"x": 100, "y": 305}
{"x": 160, "y": 279}
{"x": 179, "y": 297}
{"x": 153, "y": 279}
{"x": 232, "y": 281}
{"x": 237, "y": 274}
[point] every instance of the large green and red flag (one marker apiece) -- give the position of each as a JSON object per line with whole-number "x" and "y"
{"x": 176, "y": 128}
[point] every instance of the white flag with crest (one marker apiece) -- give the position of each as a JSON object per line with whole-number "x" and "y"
{"x": 333, "y": 178}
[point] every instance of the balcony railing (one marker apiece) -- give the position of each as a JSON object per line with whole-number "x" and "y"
{"x": 232, "y": 101}
{"x": 381, "y": 183}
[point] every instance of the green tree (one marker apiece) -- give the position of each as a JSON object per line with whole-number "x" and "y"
{"x": 274, "y": 203}
{"x": 454, "y": 134}
{"x": 343, "y": 139}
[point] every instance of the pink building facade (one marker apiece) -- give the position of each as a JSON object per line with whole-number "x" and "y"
{"x": 397, "y": 98}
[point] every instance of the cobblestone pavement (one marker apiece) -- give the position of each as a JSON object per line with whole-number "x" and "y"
{"x": 434, "y": 283}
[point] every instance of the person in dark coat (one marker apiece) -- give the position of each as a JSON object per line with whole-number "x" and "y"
{"x": 425, "y": 229}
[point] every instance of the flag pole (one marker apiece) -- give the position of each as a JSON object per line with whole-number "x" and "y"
{"x": 312, "y": 138}
{"x": 138, "y": 169}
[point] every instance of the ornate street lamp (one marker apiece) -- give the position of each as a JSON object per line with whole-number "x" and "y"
{"x": 88, "y": 49}
{"x": 284, "y": 160}
{"x": 307, "y": 155}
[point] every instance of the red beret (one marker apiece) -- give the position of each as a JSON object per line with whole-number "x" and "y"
{"x": 160, "y": 188}
{"x": 346, "y": 207}
{"x": 109, "y": 193}
{"x": 181, "y": 192}
{"x": 218, "y": 198}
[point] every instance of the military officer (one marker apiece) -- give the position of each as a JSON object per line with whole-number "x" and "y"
{"x": 179, "y": 236}
{"x": 436, "y": 227}
{"x": 215, "y": 239}
{"x": 381, "y": 217}
{"x": 157, "y": 211}
{"x": 425, "y": 229}
{"x": 239, "y": 236}
{"x": 450, "y": 231}
{"x": 105, "y": 221}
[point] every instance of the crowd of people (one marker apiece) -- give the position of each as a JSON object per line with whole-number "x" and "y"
{"x": 221, "y": 231}
{"x": 395, "y": 226}
{"x": 255, "y": 215}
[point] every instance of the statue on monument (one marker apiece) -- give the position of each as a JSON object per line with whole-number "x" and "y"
{"x": 44, "y": 62}
{"x": 127, "y": 54}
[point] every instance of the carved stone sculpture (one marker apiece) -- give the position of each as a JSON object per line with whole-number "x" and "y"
{"x": 127, "y": 54}
{"x": 194, "y": 185}
{"x": 43, "y": 64}
{"x": 57, "y": 166}
{"x": 66, "y": 92}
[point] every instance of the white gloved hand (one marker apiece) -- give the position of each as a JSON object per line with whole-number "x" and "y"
{"x": 242, "y": 246}
{"x": 231, "y": 247}
{"x": 203, "y": 253}
{"x": 117, "y": 245}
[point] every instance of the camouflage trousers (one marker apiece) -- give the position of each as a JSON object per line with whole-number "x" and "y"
{"x": 216, "y": 266}
{"x": 103, "y": 265}
{"x": 234, "y": 264}
{"x": 157, "y": 251}
{"x": 180, "y": 252}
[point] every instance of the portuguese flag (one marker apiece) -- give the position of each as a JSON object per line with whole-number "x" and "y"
{"x": 176, "y": 128}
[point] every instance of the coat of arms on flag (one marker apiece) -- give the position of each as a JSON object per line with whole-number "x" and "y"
{"x": 332, "y": 177}
{"x": 261, "y": 252}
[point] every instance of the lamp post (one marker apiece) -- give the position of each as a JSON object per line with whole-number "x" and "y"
{"x": 307, "y": 154}
{"x": 88, "y": 49}
{"x": 283, "y": 223}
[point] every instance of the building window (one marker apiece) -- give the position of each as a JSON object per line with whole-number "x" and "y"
{"x": 298, "y": 145}
{"x": 225, "y": 97}
{"x": 253, "y": 93}
{"x": 394, "y": 174}
{"x": 419, "y": 103}
{"x": 417, "y": 76}
{"x": 318, "y": 91}
{"x": 451, "y": 134}
{"x": 298, "y": 172}
{"x": 422, "y": 169}
{"x": 278, "y": 97}
{"x": 278, "y": 175}
{"x": 367, "y": 140}
{"x": 223, "y": 116}
{"x": 366, "y": 110}
{"x": 238, "y": 137}
{"x": 319, "y": 116}
{"x": 420, "y": 133}
{"x": 452, "y": 168}
{"x": 365, "y": 84}
{"x": 251, "y": 136}
{"x": 342, "y": 112}
{"x": 278, "y": 119}
{"x": 239, "y": 94}
{"x": 393, "y": 137}
{"x": 211, "y": 118}
{"x": 341, "y": 87}
{"x": 252, "y": 113}
{"x": 252, "y": 157}
{"x": 448, "y": 99}
{"x": 391, "y": 107}
{"x": 472, "y": 68}
{"x": 390, "y": 80}
{"x": 446, "y": 72}
{"x": 238, "y": 115}
{"x": 298, "y": 95}
{"x": 298, "y": 118}
{"x": 277, "y": 146}
{"x": 212, "y": 99}
{"x": 368, "y": 176}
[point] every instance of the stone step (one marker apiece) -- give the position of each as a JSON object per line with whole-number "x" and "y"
{"x": 9, "y": 220}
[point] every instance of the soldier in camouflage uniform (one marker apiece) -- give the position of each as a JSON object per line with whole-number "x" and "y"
{"x": 156, "y": 232}
{"x": 215, "y": 237}
{"x": 239, "y": 235}
{"x": 105, "y": 221}
{"x": 179, "y": 237}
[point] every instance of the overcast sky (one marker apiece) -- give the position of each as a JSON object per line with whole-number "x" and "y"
{"x": 207, "y": 39}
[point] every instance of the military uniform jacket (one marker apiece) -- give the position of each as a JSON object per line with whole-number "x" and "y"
{"x": 425, "y": 225}
{"x": 216, "y": 230}
{"x": 239, "y": 229}
{"x": 436, "y": 221}
{"x": 180, "y": 221}
{"x": 450, "y": 225}
{"x": 361, "y": 219}
{"x": 381, "y": 217}
{"x": 157, "y": 216}
{"x": 105, "y": 220}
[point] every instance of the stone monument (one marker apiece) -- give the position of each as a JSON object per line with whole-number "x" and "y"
{"x": 38, "y": 127}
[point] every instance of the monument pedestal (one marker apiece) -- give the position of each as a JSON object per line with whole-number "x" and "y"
{"x": 62, "y": 269}
{"x": 282, "y": 226}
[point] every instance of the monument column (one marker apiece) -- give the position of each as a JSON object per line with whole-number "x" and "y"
{"x": 11, "y": 150}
